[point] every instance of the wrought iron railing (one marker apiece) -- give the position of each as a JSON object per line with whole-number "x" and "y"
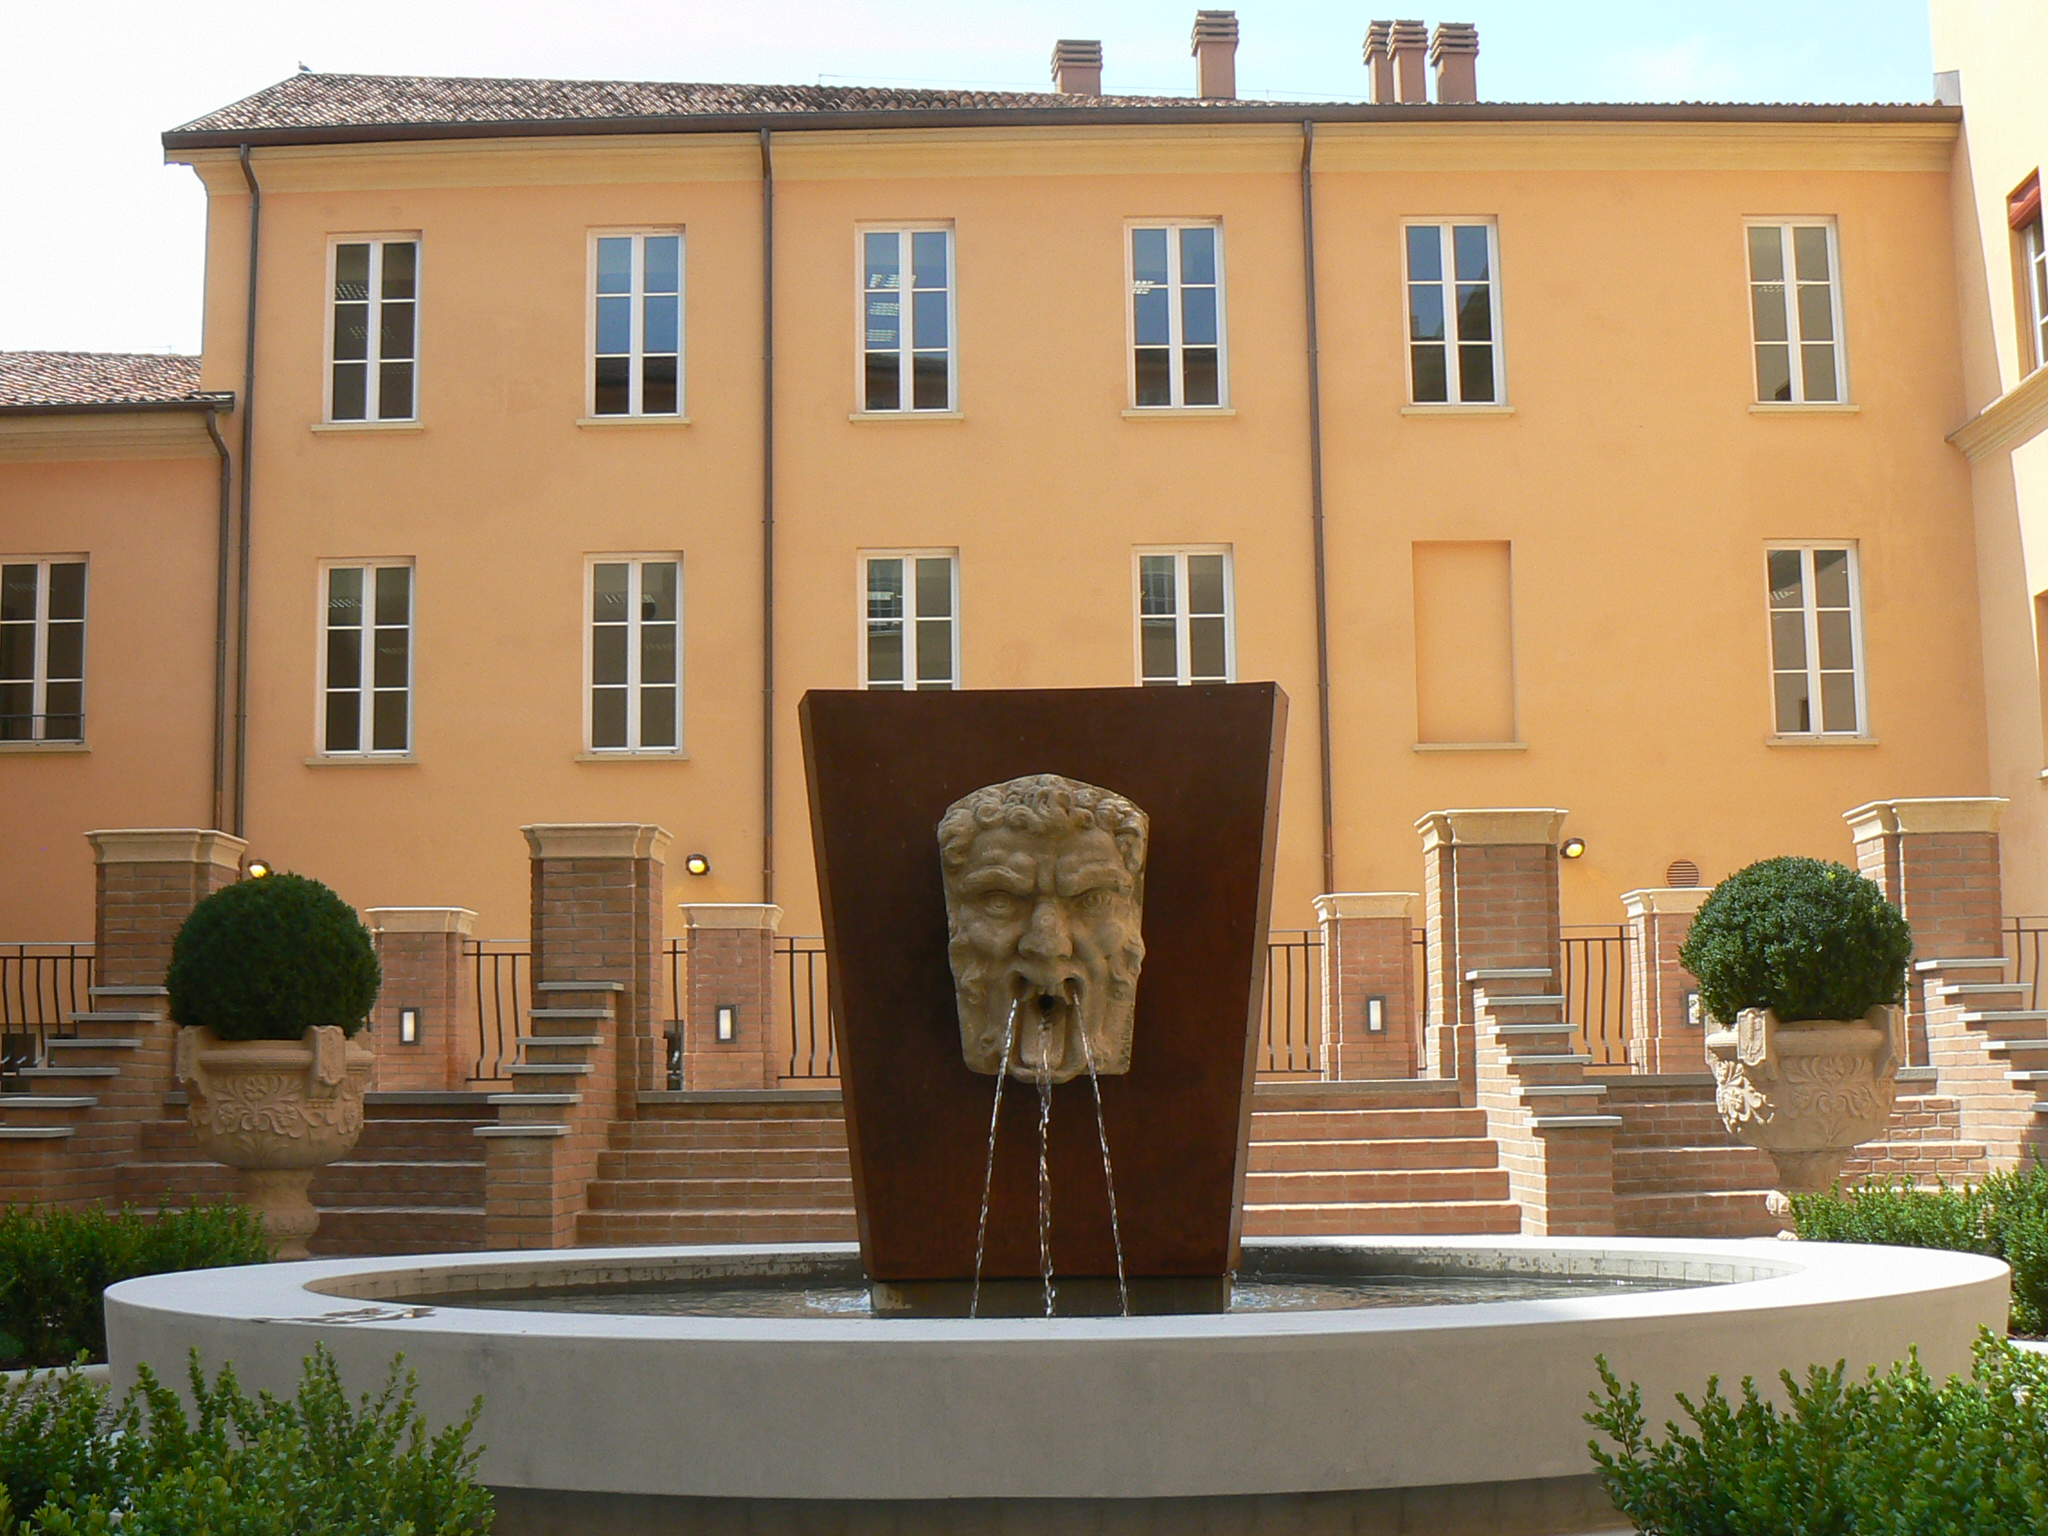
{"x": 2024, "y": 941}
{"x": 1595, "y": 988}
{"x": 807, "y": 1015}
{"x": 41, "y": 986}
{"x": 1292, "y": 1009}
{"x": 504, "y": 977}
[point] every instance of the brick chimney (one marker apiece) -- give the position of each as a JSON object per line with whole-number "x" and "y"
{"x": 1379, "y": 62}
{"x": 1215, "y": 51}
{"x": 1077, "y": 66}
{"x": 1408, "y": 42}
{"x": 1455, "y": 53}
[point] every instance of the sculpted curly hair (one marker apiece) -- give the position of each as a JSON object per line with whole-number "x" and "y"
{"x": 1044, "y": 804}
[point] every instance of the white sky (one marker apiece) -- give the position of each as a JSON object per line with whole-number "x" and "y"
{"x": 100, "y": 243}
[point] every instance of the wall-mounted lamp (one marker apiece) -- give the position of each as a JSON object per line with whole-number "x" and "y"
{"x": 728, "y": 1023}
{"x": 1376, "y": 1015}
{"x": 697, "y": 864}
{"x": 1574, "y": 848}
{"x": 1692, "y": 1007}
{"x": 258, "y": 869}
{"x": 408, "y": 1026}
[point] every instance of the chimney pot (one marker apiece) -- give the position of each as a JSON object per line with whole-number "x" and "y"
{"x": 1077, "y": 66}
{"x": 1215, "y": 49}
{"x": 1379, "y": 61}
{"x": 1408, "y": 42}
{"x": 1455, "y": 53}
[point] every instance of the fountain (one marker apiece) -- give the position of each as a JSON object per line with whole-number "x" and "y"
{"x": 1046, "y": 1018}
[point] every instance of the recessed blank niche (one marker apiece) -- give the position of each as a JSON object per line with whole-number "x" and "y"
{"x": 1464, "y": 642}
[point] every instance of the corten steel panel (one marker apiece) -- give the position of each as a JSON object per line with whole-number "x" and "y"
{"x": 1204, "y": 764}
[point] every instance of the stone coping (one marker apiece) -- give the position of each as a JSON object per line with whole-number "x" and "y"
{"x": 420, "y": 919}
{"x": 1341, "y": 904}
{"x": 597, "y": 840}
{"x": 766, "y": 1408}
{"x": 1661, "y": 899}
{"x": 1484, "y": 827}
{"x": 1951, "y": 814}
{"x": 168, "y": 845}
{"x": 731, "y": 914}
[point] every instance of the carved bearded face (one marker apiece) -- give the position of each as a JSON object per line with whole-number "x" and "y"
{"x": 1045, "y": 892}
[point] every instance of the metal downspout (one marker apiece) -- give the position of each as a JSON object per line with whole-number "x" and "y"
{"x": 248, "y": 447}
{"x": 767, "y": 518}
{"x": 1315, "y": 480}
{"x": 220, "y": 624}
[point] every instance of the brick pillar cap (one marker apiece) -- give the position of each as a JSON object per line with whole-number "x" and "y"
{"x": 168, "y": 845}
{"x": 731, "y": 914}
{"x": 1340, "y": 904}
{"x": 1953, "y": 814}
{"x": 1665, "y": 899}
{"x": 420, "y": 919}
{"x": 1512, "y": 824}
{"x": 597, "y": 840}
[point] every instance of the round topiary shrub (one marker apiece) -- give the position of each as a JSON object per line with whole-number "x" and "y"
{"x": 1806, "y": 937}
{"x": 268, "y": 958}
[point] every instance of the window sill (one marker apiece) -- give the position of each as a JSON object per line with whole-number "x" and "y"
{"x": 677, "y": 756}
{"x": 1176, "y": 412}
{"x": 363, "y": 760}
{"x": 632, "y": 421}
{"x": 1817, "y": 739}
{"x": 368, "y": 426}
{"x": 1803, "y": 408}
{"x": 33, "y": 748}
{"x": 905, "y": 416}
{"x": 1471, "y": 746}
{"x": 1457, "y": 410}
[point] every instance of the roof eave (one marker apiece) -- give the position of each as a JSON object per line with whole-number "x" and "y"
{"x": 221, "y": 401}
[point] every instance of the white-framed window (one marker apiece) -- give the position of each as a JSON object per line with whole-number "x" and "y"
{"x": 1454, "y": 342}
{"x": 906, "y": 317}
{"x": 636, "y": 323}
{"x": 634, "y": 661}
{"x": 1795, "y": 311}
{"x": 42, "y": 648}
{"x": 1178, "y": 352}
{"x": 1816, "y": 640}
{"x": 2034, "y": 251}
{"x": 910, "y": 636}
{"x": 366, "y": 658}
{"x": 1186, "y": 617}
{"x": 373, "y": 329}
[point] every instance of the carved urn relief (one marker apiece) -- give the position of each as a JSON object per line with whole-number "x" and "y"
{"x": 276, "y": 1110}
{"x": 1808, "y": 1093}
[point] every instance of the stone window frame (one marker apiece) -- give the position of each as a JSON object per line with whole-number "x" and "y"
{"x": 1448, "y": 282}
{"x": 1810, "y": 611}
{"x": 911, "y": 618}
{"x": 636, "y": 296}
{"x": 373, "y": 361}
{"x": 637, "y": 560}
{"x": 366, "y": 687}
{"x": 906, "y": 348}
{"x": 1183, "y": 658}
{"x": 1795, "y": 339}
{"x": 39, "y": 679}
{"x": 1176, "y": 346}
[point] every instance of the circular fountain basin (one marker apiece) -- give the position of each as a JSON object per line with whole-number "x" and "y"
{"x": 1450, "y": 1418}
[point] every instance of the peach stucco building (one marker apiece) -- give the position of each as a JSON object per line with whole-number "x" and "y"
{"x": 1591, "y": 457}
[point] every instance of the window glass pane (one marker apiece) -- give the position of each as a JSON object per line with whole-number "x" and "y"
{"x": 1766, "y": 254}
{"x": 884, "y": 387}
{"x": 17, "y": 592}
{"x": 1154, "y": 378}
{"x": 930, "y": 382}
{"x": 1202, "y": 381}
{"x": 657, "y": 717}
{"x": 351, "y": 387}
{"x": 1830, "y": 579}
{"x": 400, "y": 262}
{"x": 1794, "y": 713}
{"x": 664, "y": 261}
{"x": 928, "y": 319}
{"x": 1767, "y": 310}
{"x": 344, "y": 596}
{"x": 928, "y": 258}
{"x": 1475, "y": 373}
{"x": 615, "y": 264}
{"x": 390, "y": 660}
{"x": 64, "y": 650}
{"x": 1786, "y": 582}
{"x": 344, "y": 722}
{"x": 885, "y": 655}
{"x": 17, "y": 707}
{"x": 934, "y": 587}
{"x": 1432, "y": 383}
{"x": 387, "y": 722}
{"x": 885, "y": 589}
{"x": 614, "y": 325}
{"x": 658, "y": 591}
{"x": 1198, "y": 317}
{"x": 1151, "y": 318}
{"x": 608, "y": 653}
{"x": 1157, "y": 651}
{"x": 394, "y": 391}
{"x": 1425, "y": 253}
{"x": 1816, "y": 312}
{"x": 1148, "y": 255}
{"x": 658, "y": 393}
{"x": 394, "y": 338}
{"x": 1810, "y": 253}
{"x": 658, "y": 653}
{"x": 1155, "y": 584}
{"x": 1819, "y": 376}
{"x": 1837, "y": 648}
{"x": 63, "y": 712}
{"x": 351, "y": 331}
{"x": 882, "y": 254}
{"x": 935, "y": 651}
{"x": 1469, "y": 254}
{"x": 1838, "y": 701}
{"x": 394, "y": 594}
{"x": 1475, "y": 313}
{"x": 17, "y": 651}
{"x": 352, "y": 271}
{"x": 607, "y": 717}
{"x": 1788, "y": 639}
{"x": 1198, "y": 256}
{"x": 1205, "y": 583}
{"x": 1774, "y": 373}
{"x": 1206, "y": 650}
{"x": 884, "y": 321}
{"x": 614, "y": 385}
{"x": 661, "y": 325}
{"x": 1425, "y": 312}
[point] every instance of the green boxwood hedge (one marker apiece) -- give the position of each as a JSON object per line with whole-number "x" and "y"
{"x": 1808, "y": 938}
{"x": 268, "y": 958}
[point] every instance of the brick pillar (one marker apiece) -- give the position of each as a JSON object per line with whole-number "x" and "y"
{"x": 1490, "y": 903}
{"x": 1368, "y": 955}
{"x": 1937, "y": 861}
{"x": 146, "y": 884}
{"x": 420, "y": 952}
{"x": 731, "y": 964}
{"x": 1661, "y": 1038}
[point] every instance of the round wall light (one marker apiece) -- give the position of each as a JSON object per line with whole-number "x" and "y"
{"x": 1574, "y": 848}
{"x": 257, "y": 869}
{"x": 697, "y": 864}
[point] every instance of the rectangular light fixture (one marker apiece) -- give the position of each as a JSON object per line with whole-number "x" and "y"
{"x": 728, "y": 1023}
{"x": 1376, "y": 1015}
{"x": 1692, "y": 1007}
{"x": 408, "y": 1026}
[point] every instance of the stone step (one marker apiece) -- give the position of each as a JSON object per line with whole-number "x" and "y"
{"x": 97, "y": 1016}
{"x": 349, "y": 1231}
{"x": 730, "y": 1226}
{"x": 432, "y": 1139}
{"x": 2005, "y": 1016}
{"x": 180, "y": 1183}
{"x": 683, "y": 1136}
{"x": 557, "y": 1042}
{"x": 67, "y": 1044}
{"x": 579, "y": 986}
{"x": 727, "y": 1163}
{"x": 570, "y": 1015}
{"x": 39, "y": 1103}
{"x": 1707, "y": 1213}
{"x": 1393, "y": 1186}
{"x": 695, "y": 1194}
{"x": 689, "y": 1108}
{"x": 128, "y": 991}
{"x": 1365, "y": 1124}
{"x": 1399, "y": 1093}
{"x": 1686, "y": 1170}
{"x": 1471, "y": 1217}
{"x": 1391, "y": 1153}
{"x": 360, "y": 1182}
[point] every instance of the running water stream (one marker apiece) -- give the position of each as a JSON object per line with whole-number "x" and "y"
{"x": 1116, "y": 1234}
{"x": 1044, "y": 1165}
{"x": 995, "y": 1117}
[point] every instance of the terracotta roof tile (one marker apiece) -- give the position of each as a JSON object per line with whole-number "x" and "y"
{"x": 96, "y": 378}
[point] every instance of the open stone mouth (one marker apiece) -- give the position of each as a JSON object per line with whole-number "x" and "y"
{"x": 1048, "y": 1025}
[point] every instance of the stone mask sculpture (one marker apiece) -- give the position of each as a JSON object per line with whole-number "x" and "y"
{"x": 1045, "y": 897}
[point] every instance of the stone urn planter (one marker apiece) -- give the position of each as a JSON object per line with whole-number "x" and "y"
{"x": 1808, "y": 1093}
{"x": 275, "y": 1111}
